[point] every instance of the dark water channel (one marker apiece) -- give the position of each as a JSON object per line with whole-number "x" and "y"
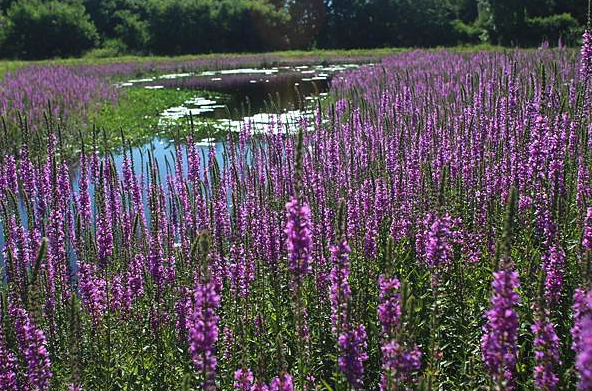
{"x": 246, "y": 92}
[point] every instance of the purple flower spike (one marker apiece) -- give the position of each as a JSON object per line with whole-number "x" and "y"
{"x": 7, "y": 366}
{"x": 340, "y": 290}
{"x": 352, "y": 345}
{"x": 586, "y": 55}
{"x": 584, "y": 357}
{"x": 546, "y": 344}
{"x": 243, "y": 379}
{"x": 32, "y": 345}
{"x": 203, "y": 333}
{"x": 587, "y": 237}
{"x": 282, "y": 383}
{"x": 582, "y": 337}
{"x": 498, "y": 343}
{"x": 299, "y": 240}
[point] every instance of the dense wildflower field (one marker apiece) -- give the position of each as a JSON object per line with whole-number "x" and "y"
{"x": 429, "y": 228}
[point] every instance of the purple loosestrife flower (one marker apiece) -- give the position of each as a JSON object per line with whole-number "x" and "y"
{"x": 72, "y": 95}
{"x": 182, "y": 312}
{"x": 8, "y": 366}
{"x": 586, "y": 55}
{"x": 582, "y": 307}
{"x": 119, "y": 299}
{"x": 27, "y": 172}
{"x": 203, "y": 332}
{"x": 32, "y": 345}
{"x": 127, "y": 173}
{"x": 228, "y": 342}
{"x": 259, "y": 386}
{"x": 93, "y": 291}
{"x": 398, "y": 364}
{"x": 299, "y": 241}
{"x": 243, "y": 379}
{"x": 10, "y": 173}
{"x": 351, "y": 342}
{"x": 340, "y": 290}
{"x": 537, "y": 151}
{"x": 155, "y": 261}
{"x": 193, "y": 162}
{"x": 584, "y": 356}
{"x": 239, "y": 278}
{"x": 553, "y": 263}
{"x": 104, "y": 237}
{"x": 436, "y": 240}
{"x": 546, "y": 356}
{"x": 135, "y": 277}
{"x": 352, "y": 346}
{"x": 587, "y": 237}
{"x": 95, "y": 166}
{"x": 389, "y": 309}
{"x": 401, "y": 226}
{"x": 498, "y": 343}
{"x": 283, "y": 382}
{"x": 584, "y": 191}
{"x": 581, "y": 334}
{"x": 84, "y": 204}
{"x": 44, "y": 184}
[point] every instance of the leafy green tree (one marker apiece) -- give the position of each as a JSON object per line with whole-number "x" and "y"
{"x": 508, "y": 21}
{"x": 348, "y": 24}
{"x": 183, "y": 26}
{"x": 306, "y": 20}
{"x": 5, "y": 4}
{"x": 296, "y": 23}
{"x": 576, "y": 8}
{"x": 131, "y": 30}
{"x": 3, "y": 29}
{"x": 249, "y": 26}
{"x": 551, "y": 28}
{"x": 536, "y": 8}
{"x": 466, "y": 10}
{"x": 429, "y": 20}
{"x": 43, "y": 29}
{"x": 105, "y": 13}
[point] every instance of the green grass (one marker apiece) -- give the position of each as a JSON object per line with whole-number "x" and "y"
{"x": 137, "y": 115}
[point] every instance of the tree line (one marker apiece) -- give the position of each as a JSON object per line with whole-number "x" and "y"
{"x": 35, "y": 29}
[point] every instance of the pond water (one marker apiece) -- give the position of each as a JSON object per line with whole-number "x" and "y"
{"x": 161, "y": 150}
{"x": 247, "y": 95}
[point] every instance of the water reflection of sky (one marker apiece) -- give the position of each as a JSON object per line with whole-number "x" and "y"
{"x": 161, "y": 151}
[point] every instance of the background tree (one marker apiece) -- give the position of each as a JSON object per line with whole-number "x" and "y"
{"x": 131, "y": 30}
{"x": 42, "y": 29}
{"x": 105, "y": 14}
{"x": 35, "y": 28}
{"x": 347, "y": 24}
{"x": 508, "y": 19}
